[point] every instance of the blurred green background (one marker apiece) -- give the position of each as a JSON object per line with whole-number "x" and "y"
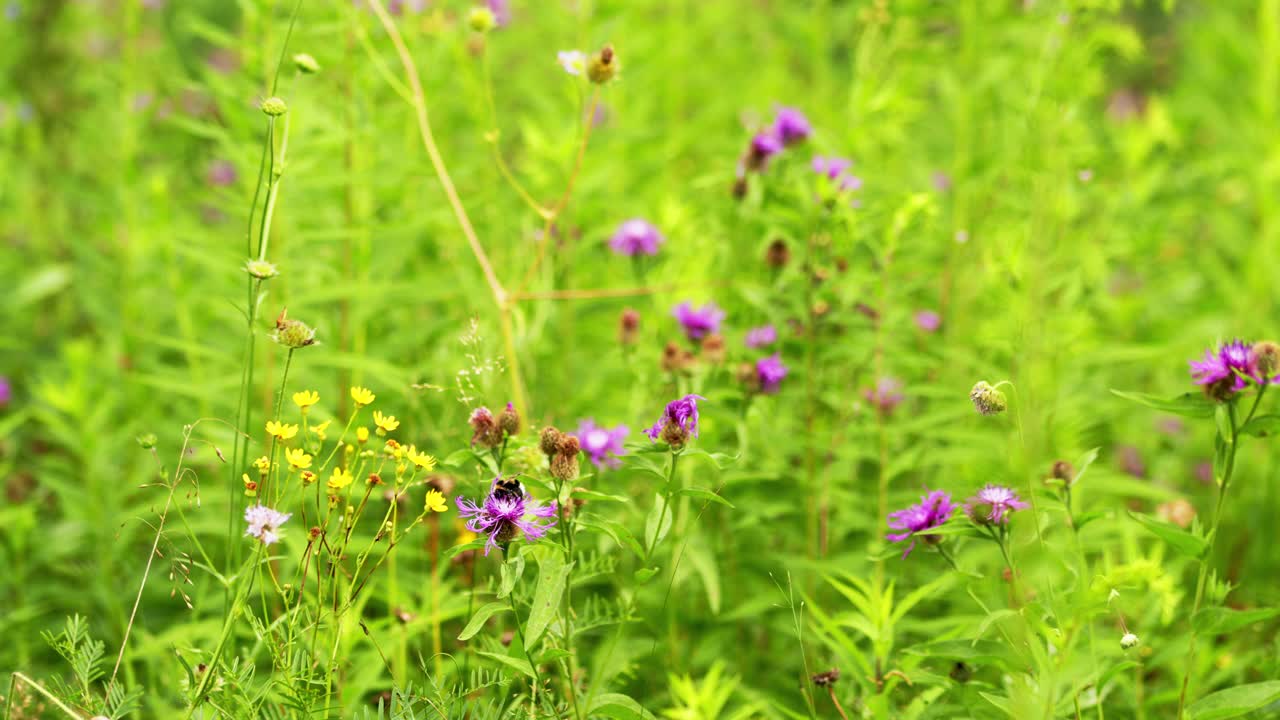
{"x": 1085, "y": 190}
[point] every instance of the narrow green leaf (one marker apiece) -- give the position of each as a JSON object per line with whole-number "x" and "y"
{"x": 1236, "y": 701}
{"x": 552, "y": 576}
{"x": 1262, "y": 426}
{"x": 619, "y": 707}
{"x": 1184, "y": 542}
{"x": 1224, "y": 620}
{"x": 480, "y": 617}
{"x": 1194, "y": 405}
{"x": 519, "y": 664}
{"x": 659, "y": 514}
{"x": 704, "y": 494}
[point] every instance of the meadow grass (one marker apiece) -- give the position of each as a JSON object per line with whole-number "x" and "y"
{"x": 632, "y": 397}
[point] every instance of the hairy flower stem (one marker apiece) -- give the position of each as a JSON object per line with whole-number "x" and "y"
{"x": 1202, "y": 579}
{"x": 666, "y": 505}
{"x": 511, "y": 600}
{"x": 566, "y": 537}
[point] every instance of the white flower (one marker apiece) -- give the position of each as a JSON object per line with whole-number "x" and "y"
{"x": 264, "y": 522}
{"x": 573, "y": 61}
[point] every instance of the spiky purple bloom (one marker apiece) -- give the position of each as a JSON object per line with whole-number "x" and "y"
{"x": 770, "y": 371}
{"x": 791, "y": 126}
{"x": 764, "y": 145}
{"x": 1227, "y": 367}
{"x": 264, "y": 523}
{"x": 636, "y": 236}
{"x": 699, "y": 322}
{"x": 836, "y": 169}
{"x": 680, "y": 415}
{"x": 501, "y": 10}
{"x": 933, "y": 510}
{"x": 505, "y": 514}
{"x": 601, "y": 444}
{"x": 762, "y": 336}
{"x": 993, "y": 504}
{"x": 928, "y": 320}
{"x": 221, "y": 173}
{"x": 6, "y": 391}
{"x": 886, "y": 395}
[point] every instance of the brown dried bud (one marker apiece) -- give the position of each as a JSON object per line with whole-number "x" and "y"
{"x": 603, "y": 66}
{"x": 740, "y": 187}
{"x": 564, "y": 464}
{"x": 713, "y": 348}
{"x": 374, "y": 479}
{"x": 778, "y": 254}
{"x": 486, "y": 431}
{"x": 628, "y": 326}
{"x": 1064, "y": 471}
{"x": 828, "y": 678}
{"x": 444, "y": 484}
{"x": 1265, "y": 358}
{"x": 549, "y": 441}
{"x": 509, "y": 420}
{"x": 748, "y": 377}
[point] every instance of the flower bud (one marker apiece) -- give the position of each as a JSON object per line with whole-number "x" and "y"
{"x": 549, "y": 440}
{"x": 987, "y": 400}
{"x": 564, "y": 464}
{"x": 293, "y": 334}
{"x": 486, "y": 431}
{"x": 603, "y": 66}
{"x": 261, "y": 269}
{"x": 628, "y": 326}
{"x": 778, "y": 254}
{"x": 509, "y": 420}
{"x": 274, "y": 106}
{"x": 1064, "y": 471}
{"x": 306, "y": 64}
{"x": 674, "y": 435}
{"x": 481, "y": 19}
{"x": 1265, "y": 358}
{"x": 713, "y": 349}
{"x": 1129, "y": 641}
{"x": 147, "y": 441}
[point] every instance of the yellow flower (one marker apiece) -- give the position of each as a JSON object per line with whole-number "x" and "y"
{"x": 298, "y": 458}
{"x": 465, "y": 535}
{"x": 319, "y": 429}
{"x": 305, "y": 399}
{"x": 362, "y": 396}
{"x": 385, "y": 423}
{"x": 281, "y": 430}
{"x": 435, "y": 501}
{"x": 263, "y": 464}
{"x": 340, "y": 479}
{"x": 422, "y": 460}
{"x": 362, "y": 434}
{"x": 250, "y": 487}
{"x": 308, "y": 477}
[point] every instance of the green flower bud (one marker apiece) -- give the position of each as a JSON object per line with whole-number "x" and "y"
{"x": 294, "y": 334}
{"x": 261, "y": 269}
{"x": 147, "y": 441}
{"x": 481, "y": 19}
{"x": 987, "y": 400}
{"x": 603, "y": 66}
{"x": 1129, "y": 641}
{"x": 1266, "y": 358}
{"x": 274, "y": 106}
{"x": 306, "y": 64}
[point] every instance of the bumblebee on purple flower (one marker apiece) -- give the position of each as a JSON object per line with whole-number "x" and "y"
{"x": 506, "y": 513}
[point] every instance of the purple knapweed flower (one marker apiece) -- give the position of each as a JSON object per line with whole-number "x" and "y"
{"x": 769, "y": 372}
{"x": 601, "y": 444}
{"x": 886, "y": 395}
{"x": 506, "y": 513}
{"x": 836, "y": 170}
{"x": 993, "y": 504}
{"x": 501, "y": 10}
{"x": 264, "y": 523}
{"x": 928, "y": 320}
{"x": 6, "y": 391}
{"x": 762, "y": 336}
{"x": 221, "y": 173}
{"x": 635, "y": 237}
{"x": 933, "y": 510}
{"x": 679, "y": 421}
{"x": 699, "y": 322}
{"x": 1130, "y": 459}
{"x": 764, "y": 145}
{"x": 791, "y": 126}
{"x": 1224, "y": 371}
{"x": 573, "y": 61}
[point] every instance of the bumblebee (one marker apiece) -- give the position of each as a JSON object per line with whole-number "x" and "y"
{"x": 508, "y": 488}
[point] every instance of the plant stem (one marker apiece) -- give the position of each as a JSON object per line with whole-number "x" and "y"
{"x": 1202, "y": 580}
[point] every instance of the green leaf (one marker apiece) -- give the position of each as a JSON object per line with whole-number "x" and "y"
{"x": 1236, "y": 701}
{"x": 552, "y": 575}
{"x": 704, "y": 494}
{"x": 977, "y": 652}
{"x": 1262, "y": 426}
{"x": 597, "y": 496}
{"x": 619, "y": 707}
{"x": 519, "y": 664}
{"x": 452, "y": 552}
{"x": 644, "y": 575}
{"x": 613, "y": 529}
{"x": 1224, "y": 620}
{"x": 458, "y": 458}
{"x": 511, "y": 572}
{"x": 480, "y": 617}
{"x": 659, "y": 514}
{"x": 1194, "y": 405}
{"x": 1192, "y": 546}
{"x": 1083, "y": 464}
{"x": 720, "y": 460}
